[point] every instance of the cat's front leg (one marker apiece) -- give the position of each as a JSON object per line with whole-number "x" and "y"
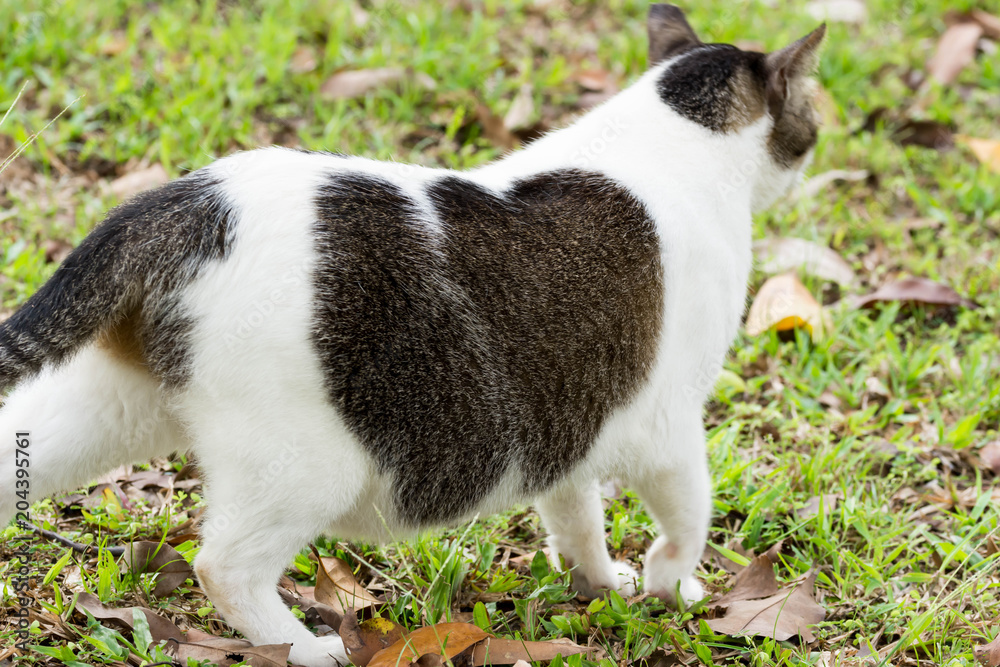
{"x": 574, "y": 517}
{"x": 677, "y": 492}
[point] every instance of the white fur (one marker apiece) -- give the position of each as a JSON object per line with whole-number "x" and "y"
{"x": 281, "y": 466}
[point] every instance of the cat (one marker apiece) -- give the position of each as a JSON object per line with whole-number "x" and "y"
{"x": 371, "y": 349}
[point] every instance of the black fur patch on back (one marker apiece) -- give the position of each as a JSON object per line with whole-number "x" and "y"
{"x": 507, "y": 341}
{"x": 717, "y": 86}
{"x": 144, "y": 251}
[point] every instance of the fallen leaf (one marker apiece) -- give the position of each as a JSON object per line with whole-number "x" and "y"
{"x": 924, "y": 133}
{"x": 955, "y": 50}
{"x": 494, "y": 128}
{"x": 916, "y": 290}
{"x": 350, "y": 84}
{"x": 828, "y": 501}
{"x": 521, "y": 109}
{"x": 447, "y": 639}
{"x": 337, "y": 587}
{"x": 782, "y": 255}
{"x": 363, "y": 640}
{"x": 989, "y": 654}
{"x": 989, "y": 23}
{"x": 152, "y": 557}
{"x": 117, "y": 42}
{"x": 222, "y": 652}
{"x": 780, "y": 616}
{"x": 754, "y": 581}
{"x": 316, "y": 612}
{"x": 303, "y": 60}
{"x": 122, "y": 618}
{"x": 990, "y": 456}
{"x": 56, "y": 250}
{"x": 495, "y": 651}
{"x": 594, "y": 80}
{"x": 139, "y": 181}
{"x": 986, "y": 151}
{"x": 783, "y": 303}
{"x": 837, "y": 11}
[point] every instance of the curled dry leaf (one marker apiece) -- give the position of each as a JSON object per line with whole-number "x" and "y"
{"x": 989, "y": 455}
{"x": 783, "y": 303}
{"x": 337, "y": 587}
{"x": 754, "y": 581}
{"x": 916, "y": 290}
{"x": 987, "y": 151}
{"x": 494, "y": 128}
{"x": 152, "y": 557}
{"x": 362, "y": 640}
{"x": 316, "y": 612}
{"x": 780, "y": 616}
{"x": 139, "y": 181}
{"x": 443, "y": 639}
{"x": 521, "y": 109}
{"x": 989, "y": 654}
{"x": 828, "y": 501}
{"x": 495, "y": 651}
{"x": 350, "y": 84}
{"x": 782, "y": 255}
{"x": 924, "y": 133}
{"x": 955, "y": 50}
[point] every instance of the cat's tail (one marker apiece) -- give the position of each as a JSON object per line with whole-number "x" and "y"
{"x": 145, "y": 250}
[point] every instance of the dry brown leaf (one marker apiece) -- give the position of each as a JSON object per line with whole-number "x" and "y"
{"x": 783, "y": 303}
{"x": 781, "y": 616}
{"x": 337, "y": 587}
{"x": 782, "y": 255}
{"x": 924, "y": 133}
{"x": 989, "y": 22}
{"x": 989, "y": 654}
{"x": 447, "y": 639}
{"x": 222, "y": 651}
{"x": 521, "y": 109}
{"x": 139, "y": 181}
{"x": 828, "y": 501}
{"x": 350, "y": 84}
{"x": 990, "y": 456}
{"x": 594, "y": 80}
{"x": 303, "y": 60}
{"x": 494, "y": 128}
{"x": 917, "y": 290}
{"x": 754, "y": 581}
{"x": 986, "y": 151}
{"x": 316, "y": 612}
{"x": 495, "y": 651}
{"x": 955, "y": 50}
{"x": 163, "y": 559}
{"x": 363, "y": 640}
{"x": 122, "y": 618}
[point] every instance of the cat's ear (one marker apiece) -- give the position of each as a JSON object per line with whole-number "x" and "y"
{"x": 790, "y": 66}
{"x": 669, "y": 32}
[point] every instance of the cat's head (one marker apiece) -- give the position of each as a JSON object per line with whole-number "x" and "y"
{"x": 725, "y": 89}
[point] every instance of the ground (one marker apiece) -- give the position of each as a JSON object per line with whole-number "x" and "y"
{"x": 891, "y": 416}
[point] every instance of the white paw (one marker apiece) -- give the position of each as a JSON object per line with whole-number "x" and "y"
{"x": 319, "y": 652}
{"x": 622, "y": 578}
{"x": 663, "y": 570}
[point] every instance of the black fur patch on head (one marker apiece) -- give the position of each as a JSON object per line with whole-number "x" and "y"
{"x": 504, "y": 343}
{"x": 131, "y": 265}
{"x": 717, "y": 86}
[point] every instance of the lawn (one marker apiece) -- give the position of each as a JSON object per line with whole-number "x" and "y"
{"x": 868, "y": 453}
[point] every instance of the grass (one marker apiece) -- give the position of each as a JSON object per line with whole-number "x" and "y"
{"x": 906, "y": 559}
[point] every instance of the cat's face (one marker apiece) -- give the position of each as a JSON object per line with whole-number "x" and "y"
{"x": 725, "y": 90}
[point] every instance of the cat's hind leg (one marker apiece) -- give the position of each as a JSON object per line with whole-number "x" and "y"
{"x": 83, "y": 418}
{"x": 574, "y": 517}
{"x": 678, "y": 495}
{"x": 279, "y": 468}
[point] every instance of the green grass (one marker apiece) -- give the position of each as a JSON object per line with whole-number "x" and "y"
{"x": 182, "y": 83}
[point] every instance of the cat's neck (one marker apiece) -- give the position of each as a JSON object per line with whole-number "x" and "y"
{"x": 635, "y": 139}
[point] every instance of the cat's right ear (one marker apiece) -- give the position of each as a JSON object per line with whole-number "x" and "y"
{"x": 669, "y": 33}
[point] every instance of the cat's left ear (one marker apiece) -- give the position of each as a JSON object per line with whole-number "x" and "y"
{"x": 789, "y": 66}
{"x": 669, "y": 32}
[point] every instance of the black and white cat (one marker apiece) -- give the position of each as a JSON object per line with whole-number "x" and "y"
{"x": 370, "y": 349}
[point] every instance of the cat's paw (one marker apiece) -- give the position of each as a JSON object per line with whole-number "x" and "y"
{"x": 622, "y": 578}
{"x": 323, "y": 652}
{"x": 663, "y": 570}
